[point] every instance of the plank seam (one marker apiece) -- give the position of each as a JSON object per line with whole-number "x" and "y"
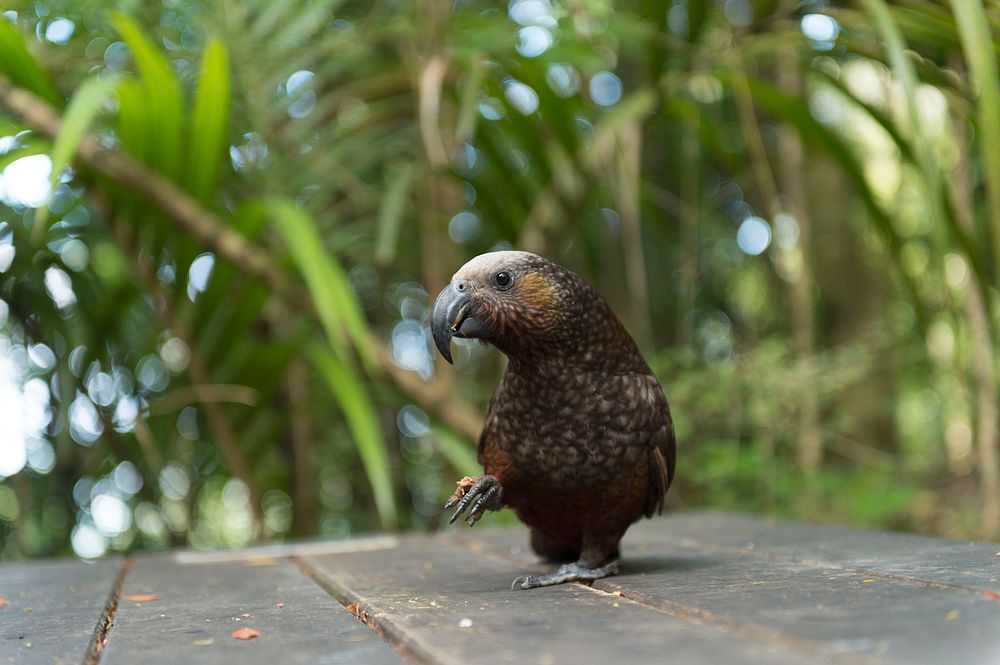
{"x": 616, "y": 592}
{"x": 743, "y": 629}
{"x": 99, "y": 639}
{"x": 351, "y": 602}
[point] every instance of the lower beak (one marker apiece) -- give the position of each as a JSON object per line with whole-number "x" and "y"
{"x": 452, "y": 316}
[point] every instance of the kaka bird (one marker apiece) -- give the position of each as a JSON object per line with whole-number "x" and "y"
{"x": 578, "y": 439}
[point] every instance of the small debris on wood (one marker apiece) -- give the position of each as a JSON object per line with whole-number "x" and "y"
{"x": 245, "y": 633}
{"x": 142, "y": 597}
{"x": 951, "y": 616}
{"x": 465, "y": 623}
{"x": 280, "y": 605}
{"x": 203, "y": 643}
{"x": 867, "y": 581}
{"x": 245, "y": 615}
{"x": 991, "y": 595}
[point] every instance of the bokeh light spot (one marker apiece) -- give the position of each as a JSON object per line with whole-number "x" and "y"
{"x": 464, "y": 227}
{"x": 753, "y": 236}
{"x": 88, "y": 542}
{"x": 605, "y": 89}
{"x": 534, "y": 41}
{"x": 59, "y": 30}
{"x": 25, "y": 181}
{"x": 522, "y": 97}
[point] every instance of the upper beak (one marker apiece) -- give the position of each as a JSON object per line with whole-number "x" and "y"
{"x": 453, "y": 317}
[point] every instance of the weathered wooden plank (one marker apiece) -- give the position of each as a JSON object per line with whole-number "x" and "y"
{"x": 836, "y": 609}
{"x": 937, "y": 560}
{"x": 800, "y": 600}
{"x": 52, "y": 609}
{"x": 200, "y": 605}
{"x": 289, "y": 549}
{"x": 447, "y": 604}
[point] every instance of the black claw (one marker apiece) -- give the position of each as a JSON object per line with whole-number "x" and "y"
{"x": 522, "y": 582}
{"x": 479, "y": 507}
{"x": 458, "y": 511}
{"x": 482, "y": 492}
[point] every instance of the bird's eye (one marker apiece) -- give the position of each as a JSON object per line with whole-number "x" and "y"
{"x": 503, "y": 280}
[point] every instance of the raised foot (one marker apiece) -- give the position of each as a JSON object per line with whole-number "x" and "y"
{"x": 477, "y": 495}
{"x": 570, "y": 572}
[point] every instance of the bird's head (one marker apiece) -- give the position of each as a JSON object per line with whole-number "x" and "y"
{"x": 509, "y": 299}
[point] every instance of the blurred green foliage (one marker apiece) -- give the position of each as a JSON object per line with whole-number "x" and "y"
{"x": 213, "y": 323}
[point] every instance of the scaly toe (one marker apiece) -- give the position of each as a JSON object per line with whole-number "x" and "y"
{"x": 524, "y": 582}
{"x": 570, "y": 572}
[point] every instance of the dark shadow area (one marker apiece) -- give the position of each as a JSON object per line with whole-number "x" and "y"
{"x": 648, "y": 565}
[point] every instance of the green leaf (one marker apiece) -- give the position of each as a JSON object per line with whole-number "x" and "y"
{"x": 351, "y": 394}
{"x": 390, "y": 214}
{"x": 459, "y": 453}
{"x": 304, "y": 22}
{"x": 161, "y": 109}
{"x": 132, "y": 119}
{"x": 876, "y": 114}
{"x": 80, "y": 113}
{"x": 902, "y": 69}
{"x": 326, "y": 280}
{"x": 795, "y": 111}
{"x": 979, "y": 49}
{"x": 208, "y": 122}
{"x": 973, "y": 252}
{"x": 17, "y": 64}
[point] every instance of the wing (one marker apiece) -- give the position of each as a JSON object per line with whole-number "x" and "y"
{"x": 489, "y": 426}
{"x": 661, "y": 453}
{"x": 496, "y": 439}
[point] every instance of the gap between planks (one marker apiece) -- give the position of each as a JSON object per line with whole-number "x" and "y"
{"x": 615, "y": 592}
{"x": 107, "y": 619}
{"x": 385, "y": 630}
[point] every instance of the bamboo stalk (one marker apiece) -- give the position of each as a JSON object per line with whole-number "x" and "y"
{"x": 983, "y": 360}
{"x": 628, "y": 169}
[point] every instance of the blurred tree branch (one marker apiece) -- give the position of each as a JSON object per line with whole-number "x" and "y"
{"x": 188, "y": 216}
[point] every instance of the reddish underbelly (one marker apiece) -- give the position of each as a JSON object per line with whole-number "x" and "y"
{"x": 565, "y": 516}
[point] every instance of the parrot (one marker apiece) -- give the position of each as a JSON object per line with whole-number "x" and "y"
{"x": 578, "y": 438}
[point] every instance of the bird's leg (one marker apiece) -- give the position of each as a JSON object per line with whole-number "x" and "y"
{"x": 569, "y": 572}
{"x": 477, "y": 495}
{"x": 595, "y": 562}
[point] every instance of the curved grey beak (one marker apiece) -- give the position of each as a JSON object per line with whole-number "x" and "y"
{"x": 452, "y": 316}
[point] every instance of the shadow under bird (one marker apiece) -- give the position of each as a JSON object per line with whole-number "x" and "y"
{"x": 578, "y": 439}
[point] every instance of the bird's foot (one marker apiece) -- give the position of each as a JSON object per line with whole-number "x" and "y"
{"x": 570, "y": 572}
{"x": 477, "y": 495}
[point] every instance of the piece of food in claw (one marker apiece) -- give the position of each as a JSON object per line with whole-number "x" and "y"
{"x": 463, "y": 487}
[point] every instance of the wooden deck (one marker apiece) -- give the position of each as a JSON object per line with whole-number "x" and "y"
{"x": 695, "y": 588}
